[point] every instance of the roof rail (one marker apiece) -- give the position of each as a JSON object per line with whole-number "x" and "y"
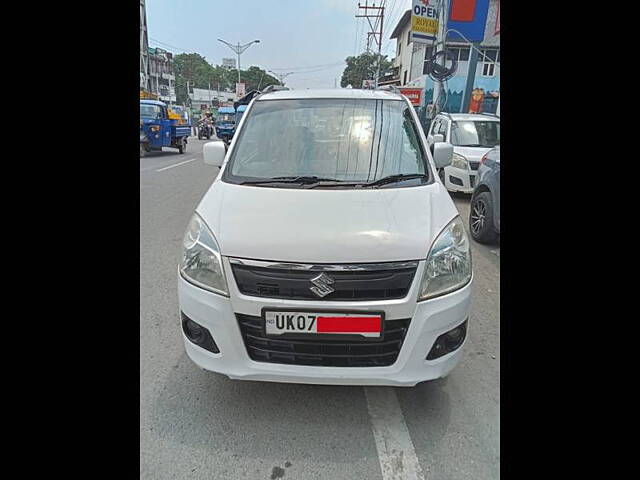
{"x": 246, "y": 99}
{"x": 389, "y": 88}
{"x": 274, "y": 88}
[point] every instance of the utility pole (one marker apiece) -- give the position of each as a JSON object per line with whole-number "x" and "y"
{"x": 238, "y": 49}
{"x": 281, "y": 76}
{"x": 378, "y": 14}
{"x": 441, "y": 37}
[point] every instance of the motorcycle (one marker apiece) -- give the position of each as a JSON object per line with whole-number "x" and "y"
{"x": 204, "y": 130}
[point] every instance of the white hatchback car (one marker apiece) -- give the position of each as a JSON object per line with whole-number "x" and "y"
{"x": 326, "y": 251}
{"x": 472, "y": 135}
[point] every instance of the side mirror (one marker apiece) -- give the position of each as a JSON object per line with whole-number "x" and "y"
{"x": 438, "y": 138}
{"x": 442, "y": 154}
{"x": 214, "y": 153}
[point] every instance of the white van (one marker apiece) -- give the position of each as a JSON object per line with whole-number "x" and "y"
{"x": 327, "y": 250}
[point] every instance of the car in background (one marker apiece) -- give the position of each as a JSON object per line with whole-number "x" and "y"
{"x": 484, "y": 216}
{"x": 472, "y": 135}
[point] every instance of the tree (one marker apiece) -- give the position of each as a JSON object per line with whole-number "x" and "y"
{"x": 194, "y": 68}
{"x": 363, "y": 67}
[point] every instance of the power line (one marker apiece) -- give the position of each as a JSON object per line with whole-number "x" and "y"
{"x": 168, "y": 45}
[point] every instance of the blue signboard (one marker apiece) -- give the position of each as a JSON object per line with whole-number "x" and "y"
{"x": 468, "y": 17}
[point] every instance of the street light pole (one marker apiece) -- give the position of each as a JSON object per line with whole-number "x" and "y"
{"x": 238, "y": 49}
{"x": 281, "y": 76}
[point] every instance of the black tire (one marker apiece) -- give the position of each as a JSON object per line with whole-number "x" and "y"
{"x": 481, "y": 218}
{"x": 182, "y": 147}
{"x": 143, "y": 151}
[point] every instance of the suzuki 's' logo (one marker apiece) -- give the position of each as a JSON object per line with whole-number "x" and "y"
{"x": 322, "y": 284}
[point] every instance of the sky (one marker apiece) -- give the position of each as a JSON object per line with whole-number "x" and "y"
{"x": 309, "y": 37}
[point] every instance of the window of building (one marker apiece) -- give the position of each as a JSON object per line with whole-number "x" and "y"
{"x": 399, "y": 48}
{"x": 428, "y": 51}
{"x": 489, "y": 54}
{"x": 463, "y": 54}
{"x": 488, "y": 69}
{"x": 408, "y": 37}
{"x": 404, "y": 82}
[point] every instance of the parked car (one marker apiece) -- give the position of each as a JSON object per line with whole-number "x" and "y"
{"x": 472, "y": 135}
{"x": 326, "y": 258}
{"x": 484, "y": 216}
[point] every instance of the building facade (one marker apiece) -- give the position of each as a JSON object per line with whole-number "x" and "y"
{"x": 161, "y": 76}
{"x": 144, "y": 48}
{"x": 411, "y": 64}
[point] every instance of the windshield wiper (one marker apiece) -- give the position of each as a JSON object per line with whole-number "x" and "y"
{"x": 303, "y": 180}
{"x": 395, "y": 178}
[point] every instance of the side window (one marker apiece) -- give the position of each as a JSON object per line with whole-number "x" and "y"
{"x": 435, "y": 126}
{"x": 443, "y": 129}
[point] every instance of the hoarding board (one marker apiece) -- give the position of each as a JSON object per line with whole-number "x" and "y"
{"x": 469, "y": 17}
{"x": 424, "y": 21}
{"x": 414, "y": 95}
{"x": 240, "y": 90}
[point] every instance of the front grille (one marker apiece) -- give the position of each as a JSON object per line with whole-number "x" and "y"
{"x": 323, "y": 353}
{"x": 382, "y": 282}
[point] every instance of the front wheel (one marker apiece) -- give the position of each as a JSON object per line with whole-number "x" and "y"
{"x": 481, "y": 219}
{"x": 182, "y": 147}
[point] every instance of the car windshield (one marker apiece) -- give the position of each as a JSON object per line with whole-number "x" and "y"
{"x": 149, "y": 111}
{"x": 475, "y": 134}
{"x": 342, "y": 140}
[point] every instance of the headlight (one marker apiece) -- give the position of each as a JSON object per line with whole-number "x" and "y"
{"x": 459, "y": 161}
{"x": 448, "y": 265}
{"x": 201, "y": 261}
{"x": 155, "y": 128}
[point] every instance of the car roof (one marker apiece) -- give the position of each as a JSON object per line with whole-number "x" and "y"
{"x": 310, "y": 93}
{"x": 471, "y": 116}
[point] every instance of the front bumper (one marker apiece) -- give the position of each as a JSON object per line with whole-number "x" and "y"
{"x": 429, "y": 319}
{"x": 467, "y": 178}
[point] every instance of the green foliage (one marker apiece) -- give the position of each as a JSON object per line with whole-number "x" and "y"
{"x": 200, "y": 74}
{"x": 363, "y": 67}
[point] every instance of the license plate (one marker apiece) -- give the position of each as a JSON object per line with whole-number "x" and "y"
{"x": 331, "y": 323}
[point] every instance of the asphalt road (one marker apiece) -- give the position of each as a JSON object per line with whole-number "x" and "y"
{"x": 200, "y": 425}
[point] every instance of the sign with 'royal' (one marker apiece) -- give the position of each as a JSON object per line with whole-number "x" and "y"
{"x": 424, "y": 21}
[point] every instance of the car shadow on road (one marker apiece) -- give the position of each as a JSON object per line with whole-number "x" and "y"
{"x": 246, "y": 419}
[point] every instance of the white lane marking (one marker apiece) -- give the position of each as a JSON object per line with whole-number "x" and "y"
{"x": 396, "y": 453}
{"x": 176, "y": 165}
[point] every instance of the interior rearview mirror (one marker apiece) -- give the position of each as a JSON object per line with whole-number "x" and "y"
{"x": 442, "y": 154}
{"x": 214, "y": 153}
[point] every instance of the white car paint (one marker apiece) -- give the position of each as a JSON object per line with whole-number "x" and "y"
{"x": 336, "y": 226}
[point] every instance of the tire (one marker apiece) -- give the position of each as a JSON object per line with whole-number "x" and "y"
{"x": 143, "y": 151}
{"x": 182, "y": 147}
{"x": 481, "y": 218}
{"x": 441, "y": 175}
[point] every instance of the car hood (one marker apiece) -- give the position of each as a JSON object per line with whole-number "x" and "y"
{"x": 473, "y": 154}
{"x": 326, "y": 225}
